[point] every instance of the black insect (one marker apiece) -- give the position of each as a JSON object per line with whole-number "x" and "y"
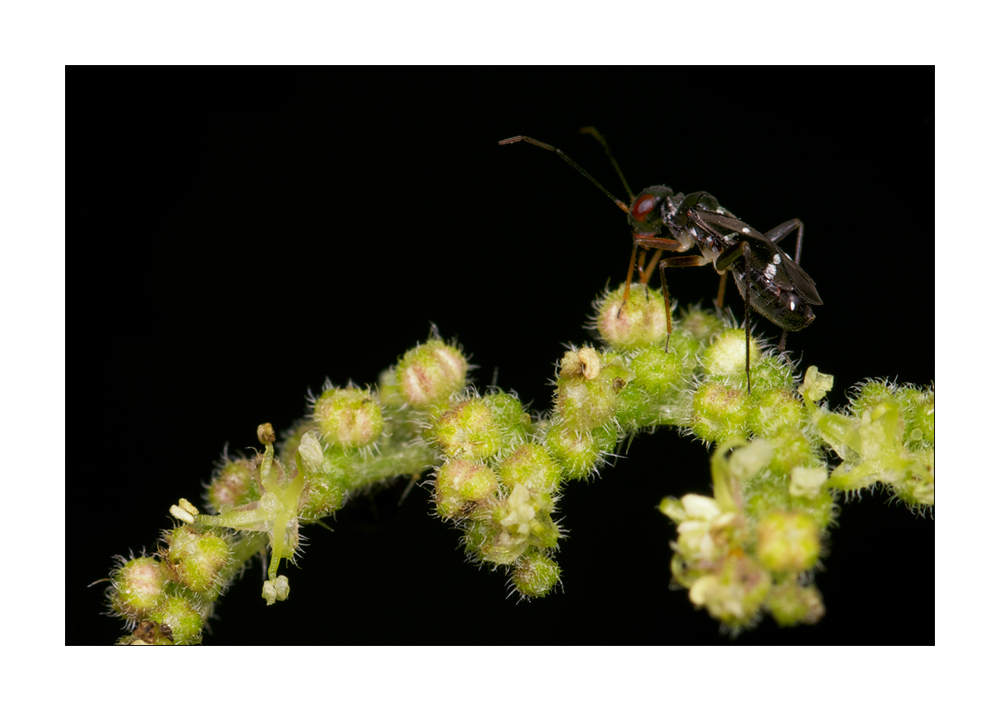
{"x": 770, "y": 281}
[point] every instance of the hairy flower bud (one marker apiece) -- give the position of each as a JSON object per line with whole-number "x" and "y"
{"x": 348, "y": 417}
{"x": 535, "y": 574}
{"x": 787, "y": 542}
{"x": 636, "y": 323}
{"x": 431, "y": 373}
{"x": 460, "y": 482}
{"x": 468, "y": 430}
{"x": 195, "y": 559}
{"x": 137, "y": 587}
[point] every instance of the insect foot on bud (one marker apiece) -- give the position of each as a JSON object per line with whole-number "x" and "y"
{"x": 637, "y": 323}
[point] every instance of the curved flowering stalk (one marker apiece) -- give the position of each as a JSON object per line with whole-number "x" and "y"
{"x": 498, "y": 474}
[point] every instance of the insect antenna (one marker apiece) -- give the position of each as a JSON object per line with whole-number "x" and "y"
{"x": 607, "y": 151}
{"x": 573, "y": 163}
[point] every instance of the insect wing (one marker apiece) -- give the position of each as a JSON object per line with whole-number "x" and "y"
{"x": 802, "y": 282}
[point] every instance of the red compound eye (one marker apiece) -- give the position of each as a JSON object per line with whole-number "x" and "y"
{"x": 643, "y": 206}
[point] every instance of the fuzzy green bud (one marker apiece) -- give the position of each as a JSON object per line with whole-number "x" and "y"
{"x": 182, "y": 617}
{"x": 773, "y": 409}
{"x": 720, "y": 412}
{"x": 535, "y": 574}
{"x": 531, "y": 466}
{"x": 870, "y": 394}
{"x": 509, "y": 415}
{"x": 431, "y": 373}
{"x": 791, "y": 604}
{"x": 652, "y": 396}
{"x": 468, "y": 430}
{"x": 233, "y": 485}
{"x": 460, "y": 482}
{"x": 787, "y": 542}
{"x": 636, "y": 323}
{"x": 348, "y": 417}
{"x": 195, "y": 559}
{"x": 807, "y": 481}
{"x": 918, "y": 406}
{"x": 588, "y": 388}
{"x": 701, "y": 325}
{"x": 137, "y": 587}
{"x": 727, "y": 356}
{"x": 579, "y": 452}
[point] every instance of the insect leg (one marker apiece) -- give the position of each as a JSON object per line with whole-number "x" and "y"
{"x": 647, "y": 270}
{"x": 722, "y": 290}
{"x": 628, "y": 277}
{"x": 687, "y": 261}
{"x": 658, "y": 243}
{"x": 783, "y": 230}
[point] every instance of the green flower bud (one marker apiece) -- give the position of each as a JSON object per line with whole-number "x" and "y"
{"x": 389, "y": 392}
{"x": 460, "y": 482}
{"x": 325, "y": 474}
{"x": 791, "y": 604}
{"x": 652, "y": 396}
{"x": 348, "y": 417}
{"x": 639, "y": 322}
{"x": 773, "y": 409}
{"x": 137, "y": 587}
{"x": 195, "y": 559}
{"x": 870, "y": 394}
{"x": 918, "y": 410}
{"x": 579, "y": 453}
{"x": 531, "y": 466}
{"x": 700, "y": 325}
{"x": 720, "y": 412}
{"x": 431, "y": 373}
{"x": 468, "y": 430}
{"x": 535, "y": 574}
{"x": 791, "y": 449}
{"x": 807, "y": 481}
{"x": 788, "y": 542}
{"x": 181, "y": 616}
{"x": 234, "y": 485}
{"x": 588, "y": 387}
{"x": 727, "y": 355}
{"x": 509, "y": 415}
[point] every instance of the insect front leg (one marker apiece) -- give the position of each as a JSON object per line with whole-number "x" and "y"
{"x": 658, "y": 243}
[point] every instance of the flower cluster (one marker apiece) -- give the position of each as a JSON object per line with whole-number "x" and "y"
{"x": 749, "y": 550}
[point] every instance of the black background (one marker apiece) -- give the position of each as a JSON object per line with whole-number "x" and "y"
{"x": 238, "y": 236}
